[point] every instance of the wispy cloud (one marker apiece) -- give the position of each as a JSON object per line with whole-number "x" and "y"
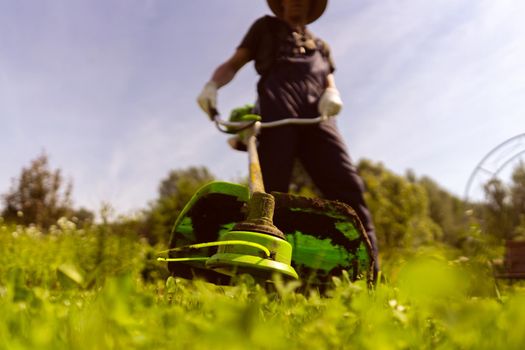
{"x": 431, "y": 86}
{"x": 108, "y": 88}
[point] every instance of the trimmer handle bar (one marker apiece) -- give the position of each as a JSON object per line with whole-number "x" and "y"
{"x": 236, "y": 127}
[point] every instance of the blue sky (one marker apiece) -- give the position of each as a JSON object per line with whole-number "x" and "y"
{"x": 107, "y": 87}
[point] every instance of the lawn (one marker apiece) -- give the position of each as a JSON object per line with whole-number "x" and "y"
{"x": 93, "y": 288}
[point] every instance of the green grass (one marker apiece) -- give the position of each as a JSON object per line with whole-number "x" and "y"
{"x": 98, "y": 289}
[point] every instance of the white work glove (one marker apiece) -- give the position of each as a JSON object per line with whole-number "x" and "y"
{"x": 207, "y": 99}
{"x": 330, "y": 103}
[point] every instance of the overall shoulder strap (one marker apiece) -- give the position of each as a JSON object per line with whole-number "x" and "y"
{"x": 276, "y": 36}
{"x": 322, "y": 45}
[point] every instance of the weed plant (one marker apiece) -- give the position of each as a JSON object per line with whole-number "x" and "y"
{"x": 92, "y": 288}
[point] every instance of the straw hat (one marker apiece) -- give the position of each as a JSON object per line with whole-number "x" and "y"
{"x": 317, "y": 8}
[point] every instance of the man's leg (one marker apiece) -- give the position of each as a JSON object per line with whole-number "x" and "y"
{"x": 325, "y": 158}
{"x": 277, "y": 150}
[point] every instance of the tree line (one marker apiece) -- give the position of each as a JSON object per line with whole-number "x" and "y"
{"x": 408, "y": 211}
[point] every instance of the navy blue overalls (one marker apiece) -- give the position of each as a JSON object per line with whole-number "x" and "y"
{"x": 291, "y": 89}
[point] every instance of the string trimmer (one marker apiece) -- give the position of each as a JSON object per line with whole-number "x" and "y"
{"x": 228, "y": 229}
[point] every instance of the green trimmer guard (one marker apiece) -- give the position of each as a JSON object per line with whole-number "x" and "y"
{"x": 234, "y": 259}
{"x": 321, "y": 239}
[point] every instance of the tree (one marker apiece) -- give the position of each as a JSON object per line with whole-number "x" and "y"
{"x": 399, "y": 208}
{"x": 497, "y": 213}
{"x": 517, "y": 190}
{"x": 504, "y": 211}
{"x": 174, "y": 192}
{"x": 39, "y": 196}
{"x": 445, "y": 210}
{"x": 301, "y": 183}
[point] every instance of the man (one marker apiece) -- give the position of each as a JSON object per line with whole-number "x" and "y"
{"x": 296, "y": 81}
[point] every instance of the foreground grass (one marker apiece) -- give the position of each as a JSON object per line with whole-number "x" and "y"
{"x": 91, "y": 289}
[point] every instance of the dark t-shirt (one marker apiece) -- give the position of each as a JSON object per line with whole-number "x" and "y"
{"x": 293, "y": 68}
{"x": 265, "y": 37}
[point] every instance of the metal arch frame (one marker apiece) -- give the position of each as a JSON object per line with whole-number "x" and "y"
{"x": 480, "y": 166}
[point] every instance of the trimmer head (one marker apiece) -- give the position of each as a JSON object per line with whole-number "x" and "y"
{"x": 236, "y": 259}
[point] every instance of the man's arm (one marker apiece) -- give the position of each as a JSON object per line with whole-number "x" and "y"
{"x": 330, "y": 81}
{"x": 226, "y": 71}
{"x": 330, "y": 103}
{"x": 207, "y": 99}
